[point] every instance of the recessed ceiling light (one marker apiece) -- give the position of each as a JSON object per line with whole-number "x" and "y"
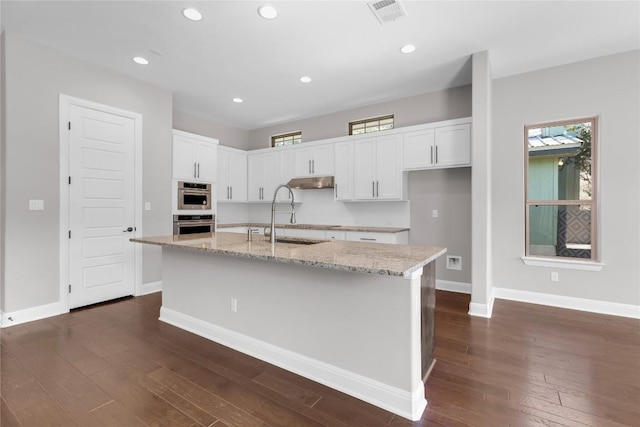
{"x": 267, "y": 11}
{"x": 407, "y": 48}
{"x": 140, "y": 60}
{"x": 192, "y": 14}
{"x": 238, "y": 100}
{"x": 305, "y": 79}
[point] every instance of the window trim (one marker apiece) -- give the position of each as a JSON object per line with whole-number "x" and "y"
{"x": 557, "y": 261}
{"x": 284, "y": 135}
{"x": 371, "y": 119}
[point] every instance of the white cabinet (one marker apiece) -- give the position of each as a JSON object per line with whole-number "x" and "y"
{"x": 315, "y": 160}
{"x": 344, "y": 171}
{"x": 400, "y": 238}
{"x": 378, "y": 168}
{"x": 194, "y": 157}
{"x": 438, "y": 147}
{"x": 232, "y": 175}
{"x": 267, "y": 170}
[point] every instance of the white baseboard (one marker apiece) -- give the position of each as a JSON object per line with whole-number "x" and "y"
{"x": 482, "y": 310}
{"x": 149, "y": 288}
{"x": 410, "y": 405}
{"x": 594, "y": 306}
{"x": 460, "y": 287}
{"x": 34, "y": 313}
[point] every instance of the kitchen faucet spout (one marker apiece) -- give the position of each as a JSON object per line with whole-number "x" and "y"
{"x": 272, "y": 237}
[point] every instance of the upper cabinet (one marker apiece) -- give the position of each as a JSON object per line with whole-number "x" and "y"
{"x": 438, "y": 147}
{"x": 313, "y": 160}
{"x": 343, "y": 190}
{"x": 194, "y": 157}
{"x": 232, "y": 175}
{"x": 378, "y": 168}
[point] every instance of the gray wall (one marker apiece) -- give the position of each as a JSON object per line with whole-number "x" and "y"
{"x": 35, "y": 77}
{"x": 430, "y": 107}
{"x": 227, "y": 135}
{"x": 2, "y": 169}
{"x": 609, "y": 88}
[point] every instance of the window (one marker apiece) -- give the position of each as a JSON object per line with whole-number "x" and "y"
{"x": 561, "y": 198}
{"x": 286, "y": 139}
{"x": 371, "y": 125}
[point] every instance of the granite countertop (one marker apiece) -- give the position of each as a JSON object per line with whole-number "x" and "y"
{"x": 373, "y": 258}
{"x": 319, "y": 227}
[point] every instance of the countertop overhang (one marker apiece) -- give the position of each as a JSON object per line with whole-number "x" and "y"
{"x": 372, "y": 258}
{"x": 360, "y": 228}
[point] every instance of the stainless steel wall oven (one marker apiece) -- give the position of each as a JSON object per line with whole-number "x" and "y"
{"x": 192, "y": 224}
{"x": 194, "y": 195}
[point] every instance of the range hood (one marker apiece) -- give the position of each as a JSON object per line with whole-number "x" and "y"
{"x": 312, "y": 182}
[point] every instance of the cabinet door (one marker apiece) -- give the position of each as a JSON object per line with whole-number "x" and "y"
{"x": 184, "y": 153}
{"x": 453, "y": 145}
{"x": 206, "y": 161}
{"x": 322, "y": 160}
{"x": 223, "y": 176}
{"x": 364, "y": 169}
{"x": 388, "y": 167}
{"x": 285, "y": 158}
{"x": 255, "y": 187}
{"x": 344, "y": 171}
{"x": 418, "y": 149}
{"x": 271, "y": 175}
{"x": 302, "y": 161}
{"x": 237, "y": 176}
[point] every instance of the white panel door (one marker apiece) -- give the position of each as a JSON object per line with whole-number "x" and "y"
{"x": 237, "y": 172}
{"x": 101, "y": 206}
{"x": 224, "y": 193}
{"x": 207, "y": 161}
{"x": 364, "y": 169}
{"x": 389, "y": 167}
{"x": 344, "y": 170}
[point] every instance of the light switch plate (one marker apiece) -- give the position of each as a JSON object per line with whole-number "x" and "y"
{"x": 36, "y": 205}
{"x": 147, "y": 206}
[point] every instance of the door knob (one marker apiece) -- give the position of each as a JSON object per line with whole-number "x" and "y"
{"x": 128, "y": 230}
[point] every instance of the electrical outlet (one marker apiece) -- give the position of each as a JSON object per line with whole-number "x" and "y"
{"x": 434, "y": 213}
{"x": 234, "y": 305}
{"x": 454, "y": 262}
{"x": 554, "y": 276}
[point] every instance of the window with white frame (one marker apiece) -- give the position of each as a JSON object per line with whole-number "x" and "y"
{"x": 560, "y": 189}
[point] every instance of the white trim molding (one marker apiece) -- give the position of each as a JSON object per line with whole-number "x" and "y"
{"x": 563, "y": 263}
{"x": 401, "y": 402}
{"x": 460, "y": 287}
{"x": 149, "y": 288}
{"x": 33, "y": 313}
{"x": 594, "y": 306}
{"x": 482, "y": 310}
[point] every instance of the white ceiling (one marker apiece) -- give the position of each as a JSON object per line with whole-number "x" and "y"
{"x": 352, "y": 59}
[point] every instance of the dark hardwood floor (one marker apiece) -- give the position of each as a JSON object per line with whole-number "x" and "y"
{"x": 116, "y": 365}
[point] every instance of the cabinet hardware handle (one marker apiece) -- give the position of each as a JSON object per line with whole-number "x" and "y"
{"x": 313, "y": 166}
{"x": 377, "y": 188}
{"x": 309, "y": 166}
{"x": 231, "y": 193}
{"x": 194, "y": 171}
{"x": 436, "y": 154}
{"x": 227, "y": 192}
{"x": 373, "y": 189}
{"x": 368, "y": 239}
{"x": 198, "y": 170}
{"x": 432, "y": 154}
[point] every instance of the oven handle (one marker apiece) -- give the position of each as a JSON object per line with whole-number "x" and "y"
{"x": 183, "y": 223}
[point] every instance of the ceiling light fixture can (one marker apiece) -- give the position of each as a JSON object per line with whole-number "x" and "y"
{"x": 238, "y": 100}
{"x": 408, "y": 48}
{"x": 140, "y": 60}
{"x": 305, "y": 79}
{"x": 267, "y": 11}
{"x": 192, "y": 14}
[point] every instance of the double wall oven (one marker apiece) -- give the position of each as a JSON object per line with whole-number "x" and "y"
{"x": 194, "y": 212}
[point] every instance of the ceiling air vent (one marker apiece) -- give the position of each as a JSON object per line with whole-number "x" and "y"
{"x": 387, "y": 10}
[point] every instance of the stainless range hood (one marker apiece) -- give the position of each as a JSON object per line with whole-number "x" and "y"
{"x": 312, "y": 182}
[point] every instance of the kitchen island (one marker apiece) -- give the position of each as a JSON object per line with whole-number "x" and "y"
{"x": 358, "y": 317}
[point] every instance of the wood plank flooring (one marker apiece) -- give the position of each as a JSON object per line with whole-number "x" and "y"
{"x": 115, "y": 364}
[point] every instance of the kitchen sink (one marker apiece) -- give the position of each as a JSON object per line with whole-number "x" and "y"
{"x": 298, "y": 240}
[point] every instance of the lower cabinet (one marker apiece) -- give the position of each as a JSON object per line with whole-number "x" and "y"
{"x": 401, "y": 238}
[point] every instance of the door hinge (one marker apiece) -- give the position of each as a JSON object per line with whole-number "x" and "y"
{"x": 69, "y": 125}
{"x": 69, "y": 288}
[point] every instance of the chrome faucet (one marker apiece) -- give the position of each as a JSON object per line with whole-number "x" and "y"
{"x": 272, "y": 237}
